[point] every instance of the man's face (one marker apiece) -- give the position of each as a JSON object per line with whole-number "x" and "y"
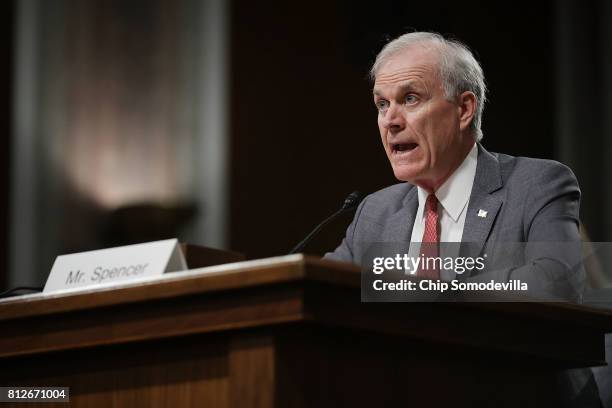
{"x": 419, "y": 127}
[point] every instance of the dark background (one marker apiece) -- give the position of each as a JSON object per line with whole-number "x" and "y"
{"x": 298, "y": 156}
{"x": 7, "y": 15}
{"x": 302, "y": 122}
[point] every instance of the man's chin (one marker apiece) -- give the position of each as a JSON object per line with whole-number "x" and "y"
{"x": 405, "y": 175}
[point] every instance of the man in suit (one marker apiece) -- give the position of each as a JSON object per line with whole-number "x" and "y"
{"x": 430, "y": 95}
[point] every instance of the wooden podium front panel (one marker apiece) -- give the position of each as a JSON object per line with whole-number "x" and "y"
{"x": 252, "y": 370}
{"x": 323, "y": 367}
{"x": 289, "y": 332}
{"x": 212, "y": 370}
{"x": 169, "y": 373}
{"x": 304, "y": 365}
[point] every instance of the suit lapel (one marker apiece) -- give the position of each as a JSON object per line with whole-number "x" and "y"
{"x": 484, "y": 204}
{"x": 400, "y": 224}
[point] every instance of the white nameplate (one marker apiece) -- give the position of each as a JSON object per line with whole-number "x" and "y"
{"x": 119, "y": 264}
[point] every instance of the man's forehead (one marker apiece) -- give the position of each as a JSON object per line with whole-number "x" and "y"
{"x": 407, "y": 78}
{"x": 415, "y": 64}
{"x": 425, "y": 54}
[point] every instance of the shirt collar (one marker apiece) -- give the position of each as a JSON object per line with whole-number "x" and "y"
{"x": 454, "y": 194}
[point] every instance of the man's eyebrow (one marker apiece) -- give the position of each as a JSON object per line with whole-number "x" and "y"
{"x": 403, "y": 88}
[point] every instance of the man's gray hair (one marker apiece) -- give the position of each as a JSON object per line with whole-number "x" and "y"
{"x": 458, "y": 68}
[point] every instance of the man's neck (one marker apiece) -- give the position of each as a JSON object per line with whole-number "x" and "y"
{"x": 432, "y": 186}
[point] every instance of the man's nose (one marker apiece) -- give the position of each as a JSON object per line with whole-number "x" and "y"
{"x": 393, "y": 119}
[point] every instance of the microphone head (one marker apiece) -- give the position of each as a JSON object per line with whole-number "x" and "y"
{"x": 353, "y": 200}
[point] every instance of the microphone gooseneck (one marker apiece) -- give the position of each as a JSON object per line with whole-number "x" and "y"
{"x": 351, "y": 201}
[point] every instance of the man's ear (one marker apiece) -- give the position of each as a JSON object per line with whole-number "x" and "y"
{"x": 467, "y": 109}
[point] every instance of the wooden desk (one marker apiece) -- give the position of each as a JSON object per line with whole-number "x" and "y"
{"x": 289, "y": 332}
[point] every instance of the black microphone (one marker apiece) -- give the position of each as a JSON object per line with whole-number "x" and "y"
{"x": 350, "y": 202}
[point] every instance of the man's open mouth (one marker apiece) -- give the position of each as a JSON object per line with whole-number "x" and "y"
{"x": 403, "y": 147}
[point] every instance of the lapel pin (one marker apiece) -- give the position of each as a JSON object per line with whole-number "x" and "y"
{"x": 482, "y": 213}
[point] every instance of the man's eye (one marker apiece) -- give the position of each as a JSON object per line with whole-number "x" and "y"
{"x": 382, "y": 105}
{"x": 411, "y": 98}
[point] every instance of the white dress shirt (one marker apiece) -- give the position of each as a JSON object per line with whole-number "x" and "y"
{"x": 453, "y": 197}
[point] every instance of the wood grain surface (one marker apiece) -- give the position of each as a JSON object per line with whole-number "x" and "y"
{"x": 286, "y": 332}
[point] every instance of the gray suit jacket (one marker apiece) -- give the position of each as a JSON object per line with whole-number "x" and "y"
{"x": 526, "y": 200}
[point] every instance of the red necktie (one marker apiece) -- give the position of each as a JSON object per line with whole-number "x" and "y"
{"x": 431, "y": 240}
